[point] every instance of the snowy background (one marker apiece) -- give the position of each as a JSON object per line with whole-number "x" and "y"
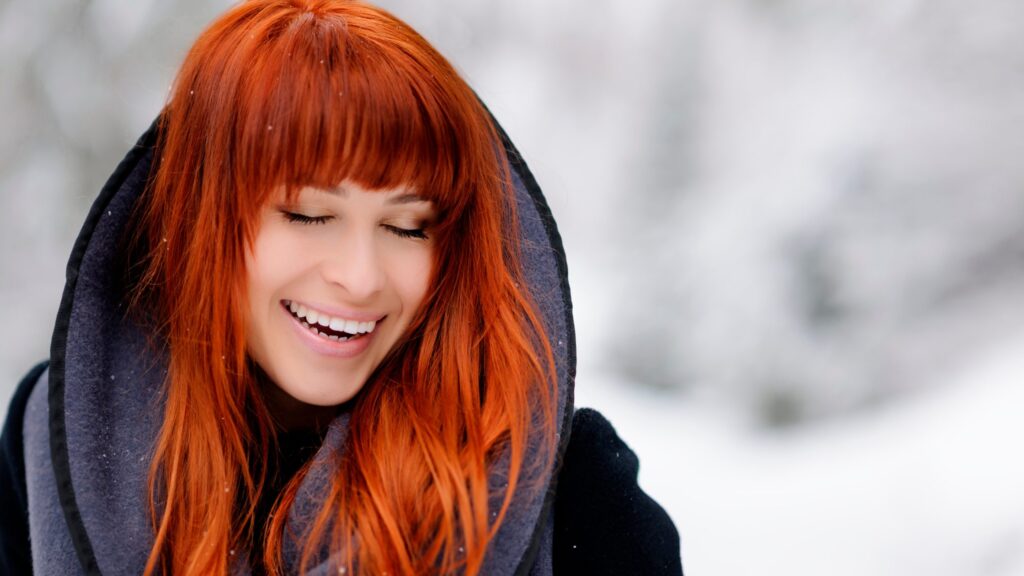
{"x": 795, "y": 233}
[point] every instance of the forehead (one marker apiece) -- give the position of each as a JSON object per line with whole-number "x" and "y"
{"x": 392, "y": 196}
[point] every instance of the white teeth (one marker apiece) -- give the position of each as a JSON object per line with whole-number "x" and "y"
{"x": 313, "y": 320}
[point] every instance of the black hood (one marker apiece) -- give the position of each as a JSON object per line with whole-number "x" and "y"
{"x": 104, "y": 401}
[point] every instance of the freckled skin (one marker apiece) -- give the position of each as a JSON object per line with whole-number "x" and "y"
{"x": 350, "y": 249}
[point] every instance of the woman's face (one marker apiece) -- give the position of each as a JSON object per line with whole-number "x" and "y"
{"x": 334, "y": 279}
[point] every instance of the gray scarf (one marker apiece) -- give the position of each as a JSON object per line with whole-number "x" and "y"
{"x": 91, "y": 423}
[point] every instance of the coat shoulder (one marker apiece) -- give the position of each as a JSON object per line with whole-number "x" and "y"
{"x": 604, "y": 522}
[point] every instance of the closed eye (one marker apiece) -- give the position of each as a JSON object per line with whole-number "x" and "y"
{"x": 303, "y": 219}
{"x": 407, "y": 232}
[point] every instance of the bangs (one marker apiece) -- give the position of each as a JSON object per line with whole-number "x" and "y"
{"x": 314, "y": 98}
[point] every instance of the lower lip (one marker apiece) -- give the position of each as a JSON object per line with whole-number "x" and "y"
{"x": 321, "y": 345}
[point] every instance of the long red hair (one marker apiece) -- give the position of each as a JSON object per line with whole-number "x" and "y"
{"x": 310, "y": 93}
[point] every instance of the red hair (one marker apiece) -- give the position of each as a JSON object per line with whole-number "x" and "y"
{"x": 310, "y": 93}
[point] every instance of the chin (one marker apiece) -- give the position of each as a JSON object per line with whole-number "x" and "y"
{"x": 319, "y": 389}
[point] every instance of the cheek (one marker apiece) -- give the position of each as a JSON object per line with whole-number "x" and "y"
{"x": 275, "y": 260}
{"x": 259, "y": 279}
{"x": 412, "y": 275}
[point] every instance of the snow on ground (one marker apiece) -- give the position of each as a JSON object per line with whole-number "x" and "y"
{"x": 932, "y": 484}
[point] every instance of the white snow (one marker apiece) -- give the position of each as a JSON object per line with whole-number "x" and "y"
{"x": 927, "y": 485}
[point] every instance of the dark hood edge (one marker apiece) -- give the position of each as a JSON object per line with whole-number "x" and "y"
{"x": 565, "y": 426}
{"x": 58, "y": 348}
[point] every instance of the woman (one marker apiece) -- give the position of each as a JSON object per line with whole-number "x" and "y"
{"x": 318, "y": 322}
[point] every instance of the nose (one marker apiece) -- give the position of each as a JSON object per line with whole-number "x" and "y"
{"x": 354, "y": 266}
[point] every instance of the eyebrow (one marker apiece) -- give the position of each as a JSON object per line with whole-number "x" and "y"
{"x": 407, "y": 198}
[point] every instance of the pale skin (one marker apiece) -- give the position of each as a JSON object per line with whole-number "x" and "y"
{"x": 352, "y": 263}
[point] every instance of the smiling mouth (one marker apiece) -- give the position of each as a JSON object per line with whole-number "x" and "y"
{"x": 328, "y": 327}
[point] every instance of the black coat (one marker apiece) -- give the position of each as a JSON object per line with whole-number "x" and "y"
{"x": 75, "y": 452}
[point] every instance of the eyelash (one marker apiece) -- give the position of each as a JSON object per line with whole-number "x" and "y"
{"x": 303, "y": 219}
{"x": 416, "y": 233}
{"x": 407, "y": 233}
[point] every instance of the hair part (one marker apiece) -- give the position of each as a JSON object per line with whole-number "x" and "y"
{"x": 300, "y": 93}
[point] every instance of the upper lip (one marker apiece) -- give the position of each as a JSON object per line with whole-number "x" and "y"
{"x": 339, "y": 312}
